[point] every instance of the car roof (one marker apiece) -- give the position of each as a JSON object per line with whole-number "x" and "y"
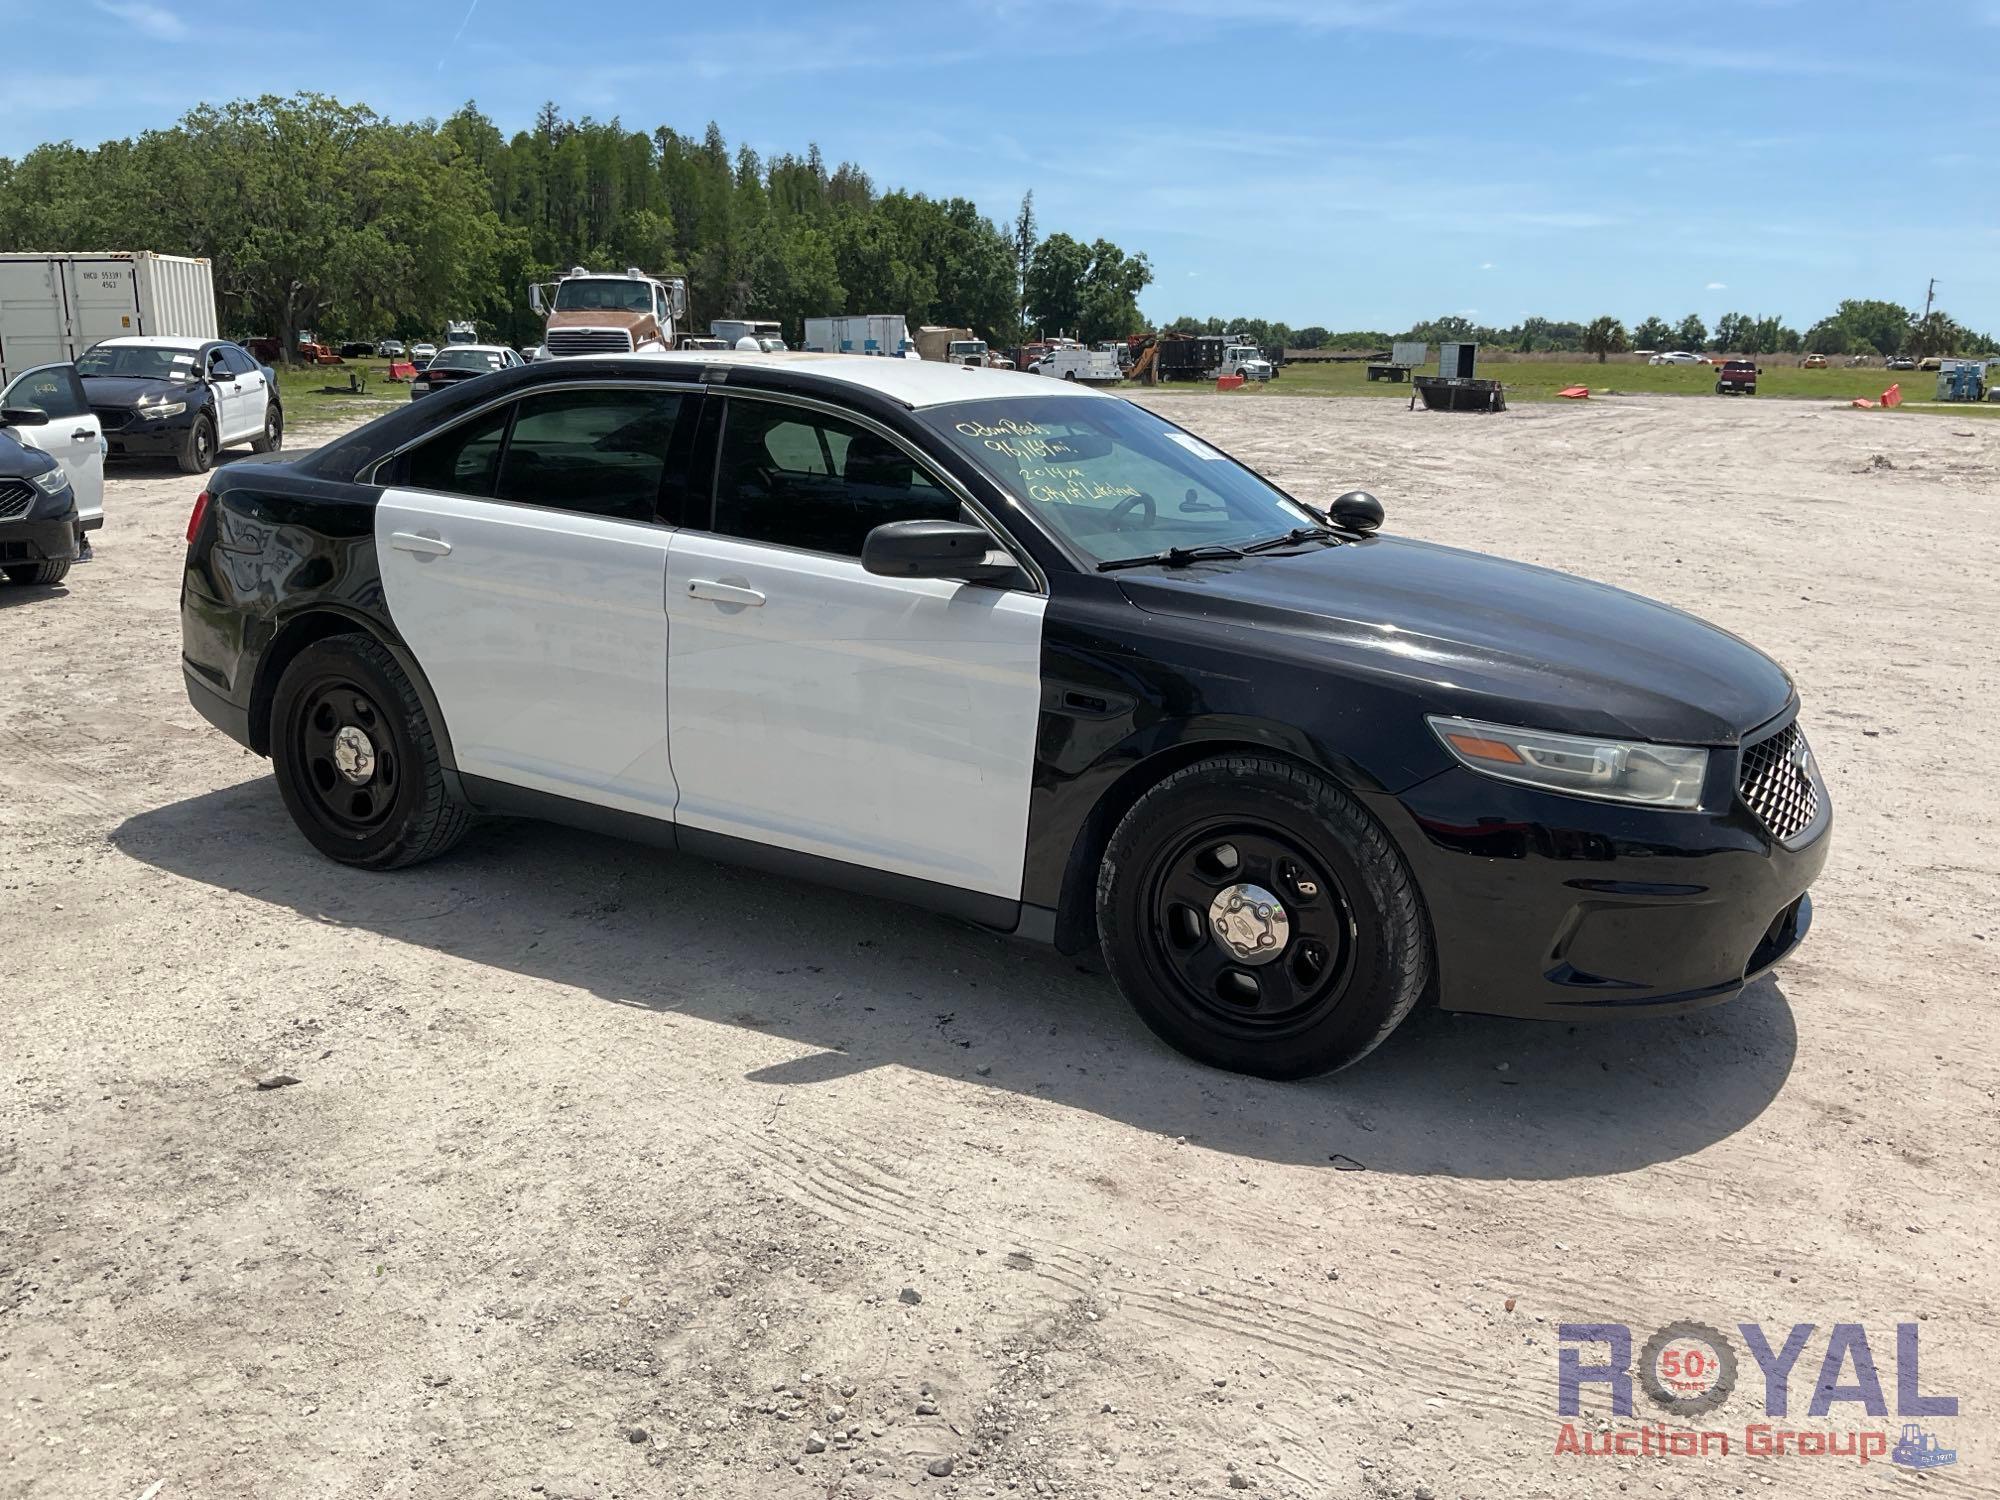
{"x": 915, "y": 383}
{"x": 152, "y": 341}
{"x": 477, "y": 348}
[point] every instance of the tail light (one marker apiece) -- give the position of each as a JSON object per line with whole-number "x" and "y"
{"x": 194, "y": 516}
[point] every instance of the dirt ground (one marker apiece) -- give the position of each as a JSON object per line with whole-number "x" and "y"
{"x": 610, "y": 1173}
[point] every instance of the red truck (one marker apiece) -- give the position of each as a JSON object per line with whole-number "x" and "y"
{"x": 1737, "y": 377}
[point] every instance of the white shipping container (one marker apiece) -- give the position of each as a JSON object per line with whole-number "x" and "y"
{"x": 55, "y": 306}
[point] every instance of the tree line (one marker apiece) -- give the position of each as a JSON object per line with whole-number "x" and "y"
{"x": 326, "y": 216}
{"x": 1854, "y": 327}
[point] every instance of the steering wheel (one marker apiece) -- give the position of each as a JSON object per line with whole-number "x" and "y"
{"x": 1125, "y": 507}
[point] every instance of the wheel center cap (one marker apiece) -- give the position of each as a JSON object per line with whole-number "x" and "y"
{"x": 353, "y": 754}
{"x": 1250, "y": 922}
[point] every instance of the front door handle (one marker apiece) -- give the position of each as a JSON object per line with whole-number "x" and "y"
{"x": 82, "y": 435}
{"x": 723, "y": 593}
{"x": 423, "y": 546}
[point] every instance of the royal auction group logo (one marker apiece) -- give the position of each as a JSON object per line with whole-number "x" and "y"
{"x": 1689, "y": 1370}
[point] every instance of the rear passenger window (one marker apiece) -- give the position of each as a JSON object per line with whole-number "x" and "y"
{"x": 462, "y": 461}
{"x": 602, "y": 452}
{"x": 797, "y": 479}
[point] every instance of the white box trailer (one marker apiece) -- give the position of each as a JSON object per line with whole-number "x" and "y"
{"x": 874, "y": 333}
{"x": 53, "y": 306}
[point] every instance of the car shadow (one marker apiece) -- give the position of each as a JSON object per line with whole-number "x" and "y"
{"x": 867, "y": 984}
{"x": 13, "y": 595}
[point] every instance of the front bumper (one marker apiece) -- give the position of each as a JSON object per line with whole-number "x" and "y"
{"x": 142, "y": 439}
{"x": 1548, "y": 906}
{"x": 42, "y": 539}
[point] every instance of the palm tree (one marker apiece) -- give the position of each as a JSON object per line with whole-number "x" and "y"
{"x": 1604, "y": 336}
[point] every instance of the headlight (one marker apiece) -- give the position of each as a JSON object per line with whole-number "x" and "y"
{"x": 1615, "y": 770}
{"x": 159, "y": 409}
{"x": 52, "y": 483}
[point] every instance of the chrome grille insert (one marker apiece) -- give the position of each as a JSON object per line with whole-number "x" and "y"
{"x": 17, "y": 498}
{"x": 589, "y": 341}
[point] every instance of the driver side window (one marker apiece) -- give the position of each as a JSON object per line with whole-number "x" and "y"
{"x": 54, "y": 389}
{"x": 794, "y": 478}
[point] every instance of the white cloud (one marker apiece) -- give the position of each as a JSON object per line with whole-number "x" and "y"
{"x": 1486, "y": 265}
{"x": 154, "y": 20}
{"x": 1716, "y": 286}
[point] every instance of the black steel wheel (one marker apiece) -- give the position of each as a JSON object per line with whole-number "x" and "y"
{"x": 1260, "y": 920}
{"x": 197, "y": 455}
{"x": 356, "y": 759}
{"x": 272, "y": 438}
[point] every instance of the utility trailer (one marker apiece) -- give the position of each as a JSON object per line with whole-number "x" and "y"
{"x": 1403, "y": 359}
{"x": 54, "y": 306}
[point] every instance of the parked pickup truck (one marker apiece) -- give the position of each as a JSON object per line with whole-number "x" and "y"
{"x": 1737, "y": 377}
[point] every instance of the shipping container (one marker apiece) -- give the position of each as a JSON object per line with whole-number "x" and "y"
{"x": 55, "y": 306}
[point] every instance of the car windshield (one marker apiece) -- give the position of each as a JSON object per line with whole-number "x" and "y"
{"x": 1112, "y": 479}
{"x": 589, "y": 294}
{"x": 469, "y": 359}
{"x": 139, "y": 361}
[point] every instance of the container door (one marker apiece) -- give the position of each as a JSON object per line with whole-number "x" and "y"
{"x": 34, "y": 329}
{"x": 104, "y": 301}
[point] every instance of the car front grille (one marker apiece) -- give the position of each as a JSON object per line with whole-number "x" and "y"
{"x": 589, "y": 341}
{"x": 112, "y": 418}
{"x": 1776, "y": 783}
{"x": 17, "y": 498}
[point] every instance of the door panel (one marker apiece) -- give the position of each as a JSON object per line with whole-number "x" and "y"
{"x": 543, "y": 634}
{"x": 73, "y": 437}
{"x": 885, "y": 722}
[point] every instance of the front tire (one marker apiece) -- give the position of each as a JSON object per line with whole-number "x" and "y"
{"x": 357, "y": 760}
{"x": 197, "y": 455}
{"x": 272, "y": 438}
{"x": 39, "y": 573}
{"x": 1324, "y": 950}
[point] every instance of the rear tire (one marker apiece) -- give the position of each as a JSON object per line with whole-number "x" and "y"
{"x": 357, "y": 760}
{"x": 273, "y": 436}
{"x": 39, "y": 574}
{"x": 1350, "y": 949}
{"x": 197, "y": 455}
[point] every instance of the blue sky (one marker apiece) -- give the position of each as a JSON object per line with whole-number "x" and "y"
{"x": 1355, "y": 163}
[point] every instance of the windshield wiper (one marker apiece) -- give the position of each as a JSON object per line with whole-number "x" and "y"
{"x": 1298, "y": 536}
{"x": 1173, "y": 557}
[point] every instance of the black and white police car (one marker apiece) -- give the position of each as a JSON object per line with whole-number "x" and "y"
{"x": 1033, "y": 656}
{"x": 184, "y": 399}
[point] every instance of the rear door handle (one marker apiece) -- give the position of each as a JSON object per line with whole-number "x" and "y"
{"x": 423, "y": 546}
{"x": 723, "y": 593}
{"x": 83, "y": 435}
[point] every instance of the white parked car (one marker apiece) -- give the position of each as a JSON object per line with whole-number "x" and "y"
{"x": 1678, "y": 357}
{"x": 423, "y": 351}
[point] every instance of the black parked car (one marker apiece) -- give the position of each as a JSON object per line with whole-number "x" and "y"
{"x": 1035, "y": 657}
{"x": 460, "y": 362}
{"x": 38, "y": 520}
{"x": 184, "y": 399}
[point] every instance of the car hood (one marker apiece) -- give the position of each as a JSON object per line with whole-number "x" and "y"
{"x": 1488, "y": 638}
{"x": 125, "y": 390}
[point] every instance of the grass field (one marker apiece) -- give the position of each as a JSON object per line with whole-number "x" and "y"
{"x": 1537, "y": 381}
{"x": 302, "y": 389}
{"x": 306, "y": 399}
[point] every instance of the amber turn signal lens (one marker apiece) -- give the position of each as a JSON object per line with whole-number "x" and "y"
{"x": 1483, "y": 749}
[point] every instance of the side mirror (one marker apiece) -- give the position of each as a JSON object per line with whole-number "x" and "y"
{"x": 932, "y": 549}
{"x": 23, "y": 416}
{"x": 1357, "y": 510}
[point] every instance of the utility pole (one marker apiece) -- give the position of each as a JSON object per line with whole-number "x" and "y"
{"x": 1929, "y": 297}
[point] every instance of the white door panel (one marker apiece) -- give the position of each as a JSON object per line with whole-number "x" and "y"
{"x": 886, "y": 722}
{"x": 75, "y": 441}
{"x": 544, "y": 637}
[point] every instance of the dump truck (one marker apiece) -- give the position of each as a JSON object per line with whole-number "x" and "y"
{"x": 610, "y": 312}
{"x": 952, "y": 346}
